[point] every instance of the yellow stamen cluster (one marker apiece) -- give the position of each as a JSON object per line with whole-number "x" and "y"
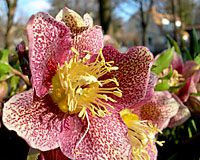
{"x": 176, "y": 78}
{"x": 141, "y": 135}
{"x": 76, "y": 86}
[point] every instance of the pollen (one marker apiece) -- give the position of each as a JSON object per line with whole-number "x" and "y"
{"x": 77, "y": 86}
{"x": 141, "y": 135}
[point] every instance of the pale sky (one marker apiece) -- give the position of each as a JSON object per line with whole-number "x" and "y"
{"x": 30, "y": 7}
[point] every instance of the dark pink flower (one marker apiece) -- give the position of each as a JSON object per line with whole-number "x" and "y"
{"x": 78, "y": 89}
{"x": 189, "y": 74}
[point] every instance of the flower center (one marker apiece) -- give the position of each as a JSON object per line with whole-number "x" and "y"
{"x": 76, "y": 86}
{"x": 175, "y": 80}
{"x": 141, "y": 135}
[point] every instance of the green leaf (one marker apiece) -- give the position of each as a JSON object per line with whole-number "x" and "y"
{"x": 163, "y": 61}
{"x": 163, "y": 86}
{"x": 195, "y": 94}
{"x": 5, "y": 69}
{"x": 4, "y": 55}
{"x": 197, "y": 59}
{"x": 174, "y": 44}
{"x": 33, "y": 154}
{"x": 13, "y": 84}
{"x": 192, "y": 129}
{"x": 167, "y": 77}
{"x": 188, "y": 55}
{"x": 194, "y": 45}
{"x": 172, "y": 89}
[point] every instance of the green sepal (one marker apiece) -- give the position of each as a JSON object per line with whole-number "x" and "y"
{"x": 172, "y": 89}
{"x": 195, "y": 94}
{"x": 33, "y": 154}
{"x": 163, "y": 61}
{"x": 197, "y": 59}
{"x": 163, "y": 86}
{"x": 167, "y": 77}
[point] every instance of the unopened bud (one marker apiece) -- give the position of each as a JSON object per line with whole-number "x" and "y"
{"x": 193, "y": 104}
{"x": 3, "y": 89}
{"x": 23, "y": 58}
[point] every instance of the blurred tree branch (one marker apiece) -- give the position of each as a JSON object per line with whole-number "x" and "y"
{"x": 22, "y": 76}
{"x": 145, "y": 15}
{"x": 9, "y": 35}
{"x": 105, "y": 14}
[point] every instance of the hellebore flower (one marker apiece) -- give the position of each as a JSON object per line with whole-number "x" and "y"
{"x": 188, "y": 72}
{"x": 146, "y": 121}
{"x": 159, "y": 110}
{"x": 142, "y": 136}
{"x": 78, "y": 89}
{"x": 191, "y": 72}
{"x": 180, "y": 91}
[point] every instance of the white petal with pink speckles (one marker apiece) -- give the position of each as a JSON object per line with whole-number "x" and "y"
{"x": 32, "y": 121}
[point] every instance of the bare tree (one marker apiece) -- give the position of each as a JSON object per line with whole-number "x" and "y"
{"x": 145, "y": 9}
{"x": 105, "y": 14}
{"x": 9, "y": 34}
{"x": 174, "y": 12}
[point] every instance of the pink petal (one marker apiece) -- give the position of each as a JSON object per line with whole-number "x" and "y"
{"x": 35, "y": 121}
{"x": 90, "y": 40}
{"x": 72, "y": 20}
{"x": 191, "y": 81}
{"x": 151, "y": 85}
{"x": 189, "y": 68}
{"x": 196, "y": 77}
{"x": 149, "y": 92}
{"x": 133, "y": 73}
{"x": 47, "y": 39}
{"x": 177, "y": 63}
{"x": 159, "y": 110}
{"x": 153, "y": 152}
{"x": 106, "y": 138}
{"x": 187, "y": 89}
{"x": 88, "y": 20}
{"x": 182, "y": 115}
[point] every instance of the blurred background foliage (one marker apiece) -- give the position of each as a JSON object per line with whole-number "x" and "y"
{"x": 157, "y": 24}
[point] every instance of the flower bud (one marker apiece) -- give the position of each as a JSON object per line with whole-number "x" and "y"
{"x": 3, "y": 89}
{"x": 23, "y": 58}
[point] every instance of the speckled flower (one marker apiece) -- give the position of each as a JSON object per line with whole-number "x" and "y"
{"x": 145, "y": 119}
{"x": 182, "y": 72}
{"x": 188, "y": 72}
{"x": 141, "y": 134}
{"x": 78, "y": 89}
{"x": 148, "y": 119}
